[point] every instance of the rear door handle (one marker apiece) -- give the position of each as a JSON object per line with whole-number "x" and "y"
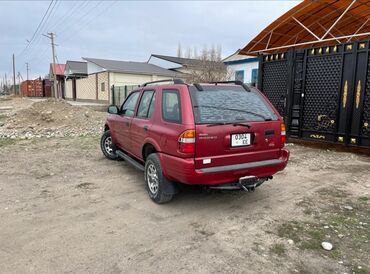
{"x": 145, "y": 128}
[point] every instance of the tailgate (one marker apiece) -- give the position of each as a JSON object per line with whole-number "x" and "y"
{"x": 221, "y": 145}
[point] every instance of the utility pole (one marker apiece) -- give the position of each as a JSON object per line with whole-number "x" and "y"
{"x": 19, "y": 83}
{"x": 27, "y": 70}
{"x": 14, "y": 91}
{"x": 6, "y": 84}
{"x": 51, "y": 36}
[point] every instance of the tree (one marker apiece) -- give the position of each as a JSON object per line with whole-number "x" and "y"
{"x": 179, "y": 50}
{"x": 209, "y": 67}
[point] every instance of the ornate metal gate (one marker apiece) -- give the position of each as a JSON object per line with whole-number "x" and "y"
{"x": 322, "y": 93}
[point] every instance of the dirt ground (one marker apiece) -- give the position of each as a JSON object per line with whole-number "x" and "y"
{"x": 64, "y": 208}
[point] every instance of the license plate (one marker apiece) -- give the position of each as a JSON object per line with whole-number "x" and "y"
{"x": 240, "y": 139}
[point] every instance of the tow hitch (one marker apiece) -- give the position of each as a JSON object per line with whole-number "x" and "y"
{"x": 249, "y": 183}
{"x": 249, "y": 188}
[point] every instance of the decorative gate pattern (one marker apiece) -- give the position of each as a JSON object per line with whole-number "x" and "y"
{"x": 322, "y": 93}
{"x": 365, "y": 123}
{"x": 275, "y": 83}
{"x": 323, "y": 79}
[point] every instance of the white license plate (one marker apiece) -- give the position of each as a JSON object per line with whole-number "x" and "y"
{"x": 240, "y": 139}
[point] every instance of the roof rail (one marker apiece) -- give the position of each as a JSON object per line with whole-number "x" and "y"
{"x": 175, "y": 81}
{"x": 239, "y": 83}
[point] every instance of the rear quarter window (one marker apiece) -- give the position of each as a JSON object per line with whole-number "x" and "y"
{"x": 171, "y": 109}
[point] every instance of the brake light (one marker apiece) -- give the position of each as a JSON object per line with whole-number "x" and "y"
{"x": 187, "y": 141}
{"x": 282, "y": 134}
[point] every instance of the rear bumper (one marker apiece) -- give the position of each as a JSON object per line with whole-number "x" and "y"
{"x": 183, "y": 170}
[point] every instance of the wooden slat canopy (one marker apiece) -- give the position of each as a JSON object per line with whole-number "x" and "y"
{"x": 314, "y": 23}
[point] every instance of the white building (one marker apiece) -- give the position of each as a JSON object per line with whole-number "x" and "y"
{"x": 243, "y": 68}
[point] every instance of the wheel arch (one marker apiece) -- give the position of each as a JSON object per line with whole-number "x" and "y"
{"x": 148, "y": 148}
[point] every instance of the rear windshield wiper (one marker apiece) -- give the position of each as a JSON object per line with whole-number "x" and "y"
{"x": 240, "y": 110}
{"x": 228, "y": 123}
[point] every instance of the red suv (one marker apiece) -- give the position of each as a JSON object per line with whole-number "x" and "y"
{"x": 222, "y": 135}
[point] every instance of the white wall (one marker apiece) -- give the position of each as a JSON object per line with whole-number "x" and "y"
{"x": 92, "y": 68}
{"x": 163, "y": 63}
{"x": 122, "y": 79}
{"x": 247, "y": 67}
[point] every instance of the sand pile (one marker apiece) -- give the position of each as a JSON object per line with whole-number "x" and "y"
{"x": 52, "y": 118}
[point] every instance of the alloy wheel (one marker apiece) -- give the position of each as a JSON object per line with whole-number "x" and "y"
{"x": 152, "y": 178}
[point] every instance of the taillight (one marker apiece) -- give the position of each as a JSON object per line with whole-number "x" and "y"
{"x": 282, "y": 134}
{"x": 187, "y": 141}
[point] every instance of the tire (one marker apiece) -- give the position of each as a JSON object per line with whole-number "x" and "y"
{"x": 107, "y": 146}
{"x": 154, "y": 180}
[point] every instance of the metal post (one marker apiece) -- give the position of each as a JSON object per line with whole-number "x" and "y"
{"x": 27, "y": 70}
{"x": 113, "y": 100}
{"x": 19, "y": 84}
{"x": 51, "y": 36}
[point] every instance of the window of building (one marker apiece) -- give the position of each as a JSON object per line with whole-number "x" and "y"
{"x": 254, "y": 76}
{"x": 171, "y": 106}
{"x": 239, "y": 75}
{"x": 145, "y": 104}
{"x": 102, "y": 86}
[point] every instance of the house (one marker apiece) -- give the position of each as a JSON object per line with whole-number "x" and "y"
{"x": 243, "y": 68}
{"x": 74, "y": 70}
{"x": 58, "y": 69}
{"x": 179, "y": 64}
{"x": 192, "y": 69}
{"x": 103, "y": 74}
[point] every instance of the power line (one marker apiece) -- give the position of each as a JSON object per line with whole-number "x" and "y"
{"x": 42, "y": 29}
{"x": 80, "y": 19}
{"x": 38, "y": 27}
{"x": 78, "y": 7}
{"x": 88, "y": 23}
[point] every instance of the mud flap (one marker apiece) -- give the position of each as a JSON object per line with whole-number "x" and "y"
{"x": 169, "y": 187}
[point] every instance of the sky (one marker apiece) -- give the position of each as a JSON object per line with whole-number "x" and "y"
{"x": 125, "y": 30}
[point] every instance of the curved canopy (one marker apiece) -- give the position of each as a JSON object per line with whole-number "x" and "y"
{"x": 314, "y": 23}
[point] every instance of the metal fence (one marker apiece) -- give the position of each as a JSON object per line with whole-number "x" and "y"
{"x": 119, "y": 93}
{"x": 322, "y": 93}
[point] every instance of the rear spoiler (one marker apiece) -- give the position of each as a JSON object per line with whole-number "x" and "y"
{"x": 239, "y": 83}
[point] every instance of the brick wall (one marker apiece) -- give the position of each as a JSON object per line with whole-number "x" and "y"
{"x": 86, "y": 88}
{"x": 103, "y": 82}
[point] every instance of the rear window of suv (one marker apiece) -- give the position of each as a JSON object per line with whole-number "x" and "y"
{"x": 227, "y": 104}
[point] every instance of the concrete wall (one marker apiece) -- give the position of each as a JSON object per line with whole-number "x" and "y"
{"x": 122, "y": 79}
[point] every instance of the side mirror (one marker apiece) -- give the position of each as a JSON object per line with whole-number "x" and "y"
{"x": 113, "y": 109}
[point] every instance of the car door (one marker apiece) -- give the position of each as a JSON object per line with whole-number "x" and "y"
{"x": 142, "y": 122}
{"x": 124, "y": 120}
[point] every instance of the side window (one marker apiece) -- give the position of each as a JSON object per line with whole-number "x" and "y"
{"x": 151, "y": 107}
{"x": 171, "y": 106}
{"x": 145, "y": 103}
{"x": 128, "y": 107}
